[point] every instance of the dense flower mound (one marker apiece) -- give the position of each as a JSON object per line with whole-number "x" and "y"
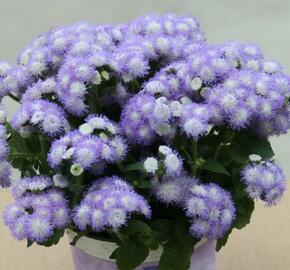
{"x": 123, "y": 128}
{"x": 108, "y": 204}
{"x": 37, "y": 211}
{"x": 264, "y": 181}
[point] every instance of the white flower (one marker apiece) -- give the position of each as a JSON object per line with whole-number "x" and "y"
{"x": 60, "y": 181}
{"x": 153, "y": 27}
{"x": 117, "y": 217}
{"x": 37, "y": 117}
{"x": 97, "y": 79}
{"x": 162, "y": 44}
{"x": 198, "y": 190}
{"x": 165, "y": 150}
{"x": 80, "y": 47}
{"x": 68, "y": 154}
{"x": 151, "y": 165}
{"x": 37, "y": 68}
{"x": 195, "y": 206}
{"x": 229, "y": 101}
{"x": 4, "y": 68}
{"x": 108, "y": 203}
{"x": 162, "y": 129}
{"x": 83, "y": 70}
{"x": 176, "y": 108}
{"x": 172, "y": 162}
{"x": 49, "y": 85}
{"x": 107, "y": 152}
{"x": 270, "y": 67}
{"x": 76, "y": 169}
{"x": 154, "y": 87}
{"x": 169, "y": 192}
{"x": 196, "y": 84}
{"x": 59, "y": 43}
{"x": 185, "y": 100}
{"x": 255, "y": 157}
{"x": 77, "y": 87}
{"x": 97, "y": 122}
{"x": 161, "y": 111}
{"x": 86, "y": 129}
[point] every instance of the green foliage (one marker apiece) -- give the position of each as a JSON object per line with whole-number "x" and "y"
{"x": 222, "y": 241}
{"x": 214, "y": 166}
{"x": 134, "y": 167}
{"x": 28, "y": 154}
{"x": 177, "y": 251}
{"x": 247, "y": 144}
{"x": 130, "y": 254}
{"x": 58, "y": 234}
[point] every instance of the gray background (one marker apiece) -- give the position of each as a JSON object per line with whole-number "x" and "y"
{"x": 265, "y": 243}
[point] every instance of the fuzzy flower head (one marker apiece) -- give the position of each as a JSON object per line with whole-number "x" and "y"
{"x": 265, "y": 181}
{"x": 172, "y": 190}
{"x": 35, "y": 216}
{"x": 109, "y": 203}
{"x": 211, "y": 209}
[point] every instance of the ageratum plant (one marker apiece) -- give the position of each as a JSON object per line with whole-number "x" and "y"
{"x": 142, "y": 134}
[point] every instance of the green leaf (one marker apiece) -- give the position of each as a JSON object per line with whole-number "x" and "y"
{"x": 178, "y": 250}
{"x": 248, "y": 144}
{"x": 136, "y": 227}
{"x": 214, "y": 166}
{"x": 143, "y": 184}
{"x": 244, "y": 210}
{"x": 222, "y": 241}
{"x": 162, "y": 229}
{"x": 29, "y": 243}
{"x": 53, "y": 240}
{"x": 130, "y": 254}
{"x": 134, "y": 167}
{"x": 238, "y": 153}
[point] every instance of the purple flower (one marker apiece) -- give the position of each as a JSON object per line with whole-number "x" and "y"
{"x": 194, "y": 120}
{"x": 172, "y": 190}
{"x": 36, "y": 215}
{"x": 211, "y": 209}
{"x": 265, "y": 181}
{"x": 109, "y": 203}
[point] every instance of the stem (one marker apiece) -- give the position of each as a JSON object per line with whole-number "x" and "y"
{"x": 76, "y": 197}
{"x": 194, "y": 157}
{"x": 43, "y": 152}
{"x": 188, "y": 159}
{"x": 119, "y": 235}
{"x": 217, "y": 152}
{"x": 78, "y": 237}
{"x": 14, "y": 97}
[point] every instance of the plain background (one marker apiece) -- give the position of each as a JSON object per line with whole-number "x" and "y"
{"x": 265, "y": 243}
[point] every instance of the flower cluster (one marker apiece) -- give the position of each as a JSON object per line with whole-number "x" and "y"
{"x": 211, "y": 209}
{"x": 95, "y": 144}
{"x": 265, "y": 181}
{"x": 169, "y": 163}
{"x": 38, "y": 209}
{"x": 109, "y": 203}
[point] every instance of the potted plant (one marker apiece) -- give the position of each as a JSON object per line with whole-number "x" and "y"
{"x": 144, "y": 142}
